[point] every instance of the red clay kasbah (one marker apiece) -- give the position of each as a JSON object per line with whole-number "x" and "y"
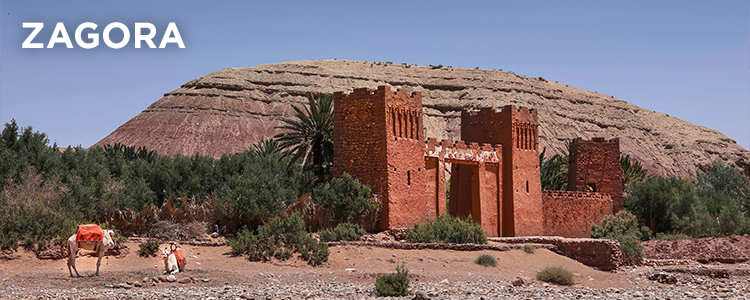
{"x": 379, "y": 139}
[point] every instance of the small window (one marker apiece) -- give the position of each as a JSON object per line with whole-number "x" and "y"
{"x": 527, "y": 186}
{"x": 408, "y": 178}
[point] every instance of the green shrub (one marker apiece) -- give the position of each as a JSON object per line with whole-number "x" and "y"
{"x": 447, "y": 229}
{"x": 149, "y": 248}
{"x": 393, "y": 285}
{"x": 557, "y": 275}
{"x": 313, "y": 252}
{"x": 280, "y": 238}
{"x": 27, "y": 212}
{"x": 622, "y": 227}
{"x": 342, "y": 232}
{"x": 671, "y": 236}
{"x": 247, "y": 243}
{"x": 486, "y": 260}
{"x": 744, "y": 229}
{"x": 346, "y": 196}
{"x": 528, "y": 249}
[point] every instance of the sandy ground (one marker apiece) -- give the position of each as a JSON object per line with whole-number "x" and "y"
{"x": 347, "y": 263}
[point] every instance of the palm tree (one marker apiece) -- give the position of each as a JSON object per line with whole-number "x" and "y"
{"x": 309, "y": 136}
{"x": 632, "y": 171}
{"x": 266, "y": 147}
{"x": 553, "y": 171}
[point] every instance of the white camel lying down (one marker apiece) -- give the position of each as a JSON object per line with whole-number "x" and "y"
{"x": 174, "y": 259}
{"x": 170, "y": 262}
{"x": 99, "y": 247}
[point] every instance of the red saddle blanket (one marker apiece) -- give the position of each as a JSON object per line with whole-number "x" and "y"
{"x": 89, "y": 233}
{"x": 181, "y": 260}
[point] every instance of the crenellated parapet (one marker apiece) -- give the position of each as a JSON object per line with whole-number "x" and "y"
{"x": 473, "y": 153}
{"x": 401, "y": 98}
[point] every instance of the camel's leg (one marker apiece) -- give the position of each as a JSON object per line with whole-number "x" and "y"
{"x": 73, "y": 248}
{"x": 99, "y": 262}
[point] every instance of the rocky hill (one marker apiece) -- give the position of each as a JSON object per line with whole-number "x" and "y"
{"x": 228, "y": 110}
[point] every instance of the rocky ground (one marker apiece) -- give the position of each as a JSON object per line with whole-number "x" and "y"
{"x": 214, "y": 273}
{"x": 733, "y": 249}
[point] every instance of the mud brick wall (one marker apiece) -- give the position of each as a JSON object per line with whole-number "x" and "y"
{"x": 598, "y": 253}
{"x": 379, "y": 139}
{"x": 595, "y": 166}
{"x": 570, "y": 214}
{"x": 358, "y": 138}
{"x": 517, "y": 130}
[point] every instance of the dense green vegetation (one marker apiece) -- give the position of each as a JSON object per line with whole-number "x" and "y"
{"x": 715, "y": 204}
{"x": 46, "y": 191}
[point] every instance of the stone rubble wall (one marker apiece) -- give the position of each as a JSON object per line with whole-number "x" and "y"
{"x": 598, "y": 253}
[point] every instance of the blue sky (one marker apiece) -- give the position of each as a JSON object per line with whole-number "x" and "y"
{"x": 688, "y": 59}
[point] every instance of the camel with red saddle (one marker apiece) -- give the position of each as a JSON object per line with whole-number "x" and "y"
{"x": 89, "y": 237}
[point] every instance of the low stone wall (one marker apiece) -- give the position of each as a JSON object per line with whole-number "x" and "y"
{"x": 438, "y": 246}
{"x": 598, "y": 253}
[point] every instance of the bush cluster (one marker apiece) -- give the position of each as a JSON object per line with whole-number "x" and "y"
{"x": 393, "y": 285}
{"x": 346, "y": 197}
{"x": 280, "y": 238}
{"x": 557, "y": 275}
{"x": 342, "y": 232}
{"x": 486, "y": 260}
{"x": 26, "y": 212}
{"x": 528, "y": 249}
{"x": 149, "y": 248}
{"x": 622, "y": 227}
{"x": 447, "y": 229}
{"x": 77, "y": 185}
{"x": 717, "y": 203}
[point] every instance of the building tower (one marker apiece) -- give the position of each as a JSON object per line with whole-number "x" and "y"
{"x": 379, "y": 139}
{"x": 595, "y": 167}
{"x": 517, "y": 130}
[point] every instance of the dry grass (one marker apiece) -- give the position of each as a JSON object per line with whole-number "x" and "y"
{"x": 170, "y": 231}
{"x": 140, "y": 222}
{"x": 557, "y": 275}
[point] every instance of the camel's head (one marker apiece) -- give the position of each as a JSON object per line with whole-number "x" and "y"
{"x": 165, "y": 253}
{"x": 109, "y": 242}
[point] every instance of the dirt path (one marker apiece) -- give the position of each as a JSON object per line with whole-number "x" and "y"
{"x": 347, "y": 263}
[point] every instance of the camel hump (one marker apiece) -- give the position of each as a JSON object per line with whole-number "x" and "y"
{"x": 181, "y": 260}
{"x": 89, "y": 233}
